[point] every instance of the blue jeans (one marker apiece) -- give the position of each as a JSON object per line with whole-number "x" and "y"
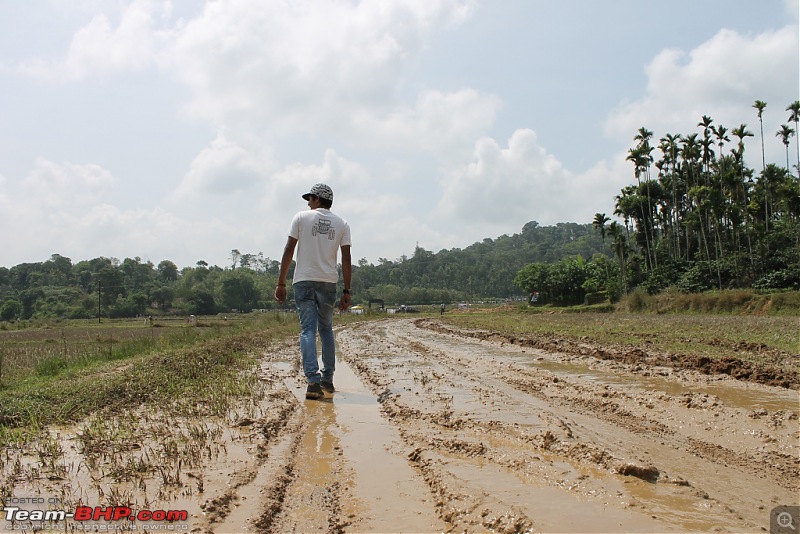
{"x": 315, "y": 302}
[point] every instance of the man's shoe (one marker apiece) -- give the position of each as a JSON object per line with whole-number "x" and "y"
{"x": 327, "y": 387}
{"x": 314, "y": 391}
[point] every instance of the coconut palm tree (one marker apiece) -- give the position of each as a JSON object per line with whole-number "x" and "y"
{"x": 794, "y": 117}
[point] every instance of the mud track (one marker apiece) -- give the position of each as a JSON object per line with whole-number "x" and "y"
{"x": 435, "y": 429}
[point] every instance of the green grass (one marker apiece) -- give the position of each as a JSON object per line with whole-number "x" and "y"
{"x": 202, "y": 376}
{"x": 190, "y": 371}
{"x": 48, "y": 348}
{"x": 764, "y": 339}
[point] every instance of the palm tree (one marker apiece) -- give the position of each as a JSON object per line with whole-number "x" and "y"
{"x": 741, "y": 132}
{"x": 669, "y": 147}
{"x": 785, "y": 133}
{"x": 720, "y": 132}
{"x": 599, "y": 223}
{"x": 794, "y": 117}
{"x": 690, "y": 154}
{"x": 760, "y": 105}
{"x": 641, "y": 162}
{"x": 643, "y": 159}
{"x": 621, "y": 251}
{"x": 708, "y": 154}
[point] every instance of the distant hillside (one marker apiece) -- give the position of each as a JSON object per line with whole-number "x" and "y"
{"x": 483, "y": 269}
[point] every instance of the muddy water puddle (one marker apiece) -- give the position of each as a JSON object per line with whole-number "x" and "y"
{"x": 346, "y": 440}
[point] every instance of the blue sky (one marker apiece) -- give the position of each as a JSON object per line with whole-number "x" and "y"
{"x": 182, "y": 130}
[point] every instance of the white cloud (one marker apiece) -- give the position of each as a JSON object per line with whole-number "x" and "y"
{"x": 99, "y": 46}
{"x": 507, "y": 184}
{"x": 66, "y": 186}
{"x": 223, "y": 168}
{"x": 281, "y": 196}
{"x": 302, "y": 66}
{"x": 720, "y": 78}
{"x": 439, "y": 121}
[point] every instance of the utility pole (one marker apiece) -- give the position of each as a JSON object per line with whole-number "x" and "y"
{"x": 98, "y": 302}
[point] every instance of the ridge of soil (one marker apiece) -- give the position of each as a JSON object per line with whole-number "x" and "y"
{"x": 736, "y": 368}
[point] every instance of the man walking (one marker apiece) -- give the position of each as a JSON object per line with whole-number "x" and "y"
{"x": 318, "y": 234}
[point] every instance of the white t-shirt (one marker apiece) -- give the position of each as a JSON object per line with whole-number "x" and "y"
{"x": 319, "y": 235}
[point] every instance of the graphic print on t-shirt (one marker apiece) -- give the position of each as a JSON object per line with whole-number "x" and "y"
{"x": 323, "y": 227}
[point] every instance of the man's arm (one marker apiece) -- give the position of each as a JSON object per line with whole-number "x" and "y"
{"x": 286, "y": 262}
{"x": 347, "y": 272}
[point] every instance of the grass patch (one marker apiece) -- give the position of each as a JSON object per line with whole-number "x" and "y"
{"x": 200, "y": 378}
{"x": 761, "y": 339}
{"x": 729, "y": 302}
{"x": 48, "y": 349}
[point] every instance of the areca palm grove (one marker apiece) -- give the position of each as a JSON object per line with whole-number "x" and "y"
{"x": 706, "y": 220}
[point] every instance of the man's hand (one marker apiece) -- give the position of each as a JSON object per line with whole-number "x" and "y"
{"x": 344, "y": 303}
{"x": 280, "y": 294}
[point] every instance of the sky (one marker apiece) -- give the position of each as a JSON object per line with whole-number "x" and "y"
{"x": 182, "y": 130}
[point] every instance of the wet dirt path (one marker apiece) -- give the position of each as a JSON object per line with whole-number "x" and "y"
{"x": 434, "y": 429}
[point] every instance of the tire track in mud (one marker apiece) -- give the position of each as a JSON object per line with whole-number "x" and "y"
{"x": 734, "y": 367}
{"x": 341, "y": 472}
{"x": 262, "y": 496}
{"x": 780, "y": 467}
{"x": 434, "y": 456}
{"x": 280, "y": 507}
{"x": 268, "y": 474}
{"x": 417, "y": 373}
{"x": 767, "y": 465}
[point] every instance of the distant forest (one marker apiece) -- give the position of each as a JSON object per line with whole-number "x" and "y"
{"x": 696, "y": 219}
{"x": 60, "y": 288}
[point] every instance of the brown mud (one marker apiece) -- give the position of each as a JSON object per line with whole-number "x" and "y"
{"x": 737, "y": 368}
{"x": 437, "y": 429}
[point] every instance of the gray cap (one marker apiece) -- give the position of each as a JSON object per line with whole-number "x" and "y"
{"x": 321, "y": 191}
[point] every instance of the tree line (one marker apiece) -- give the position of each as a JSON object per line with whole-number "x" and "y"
{"x": 697, "y": 218}
{"x": 111, "y": 288}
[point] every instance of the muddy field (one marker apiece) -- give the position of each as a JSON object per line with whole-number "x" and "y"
{"x": 433, "y": 429}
